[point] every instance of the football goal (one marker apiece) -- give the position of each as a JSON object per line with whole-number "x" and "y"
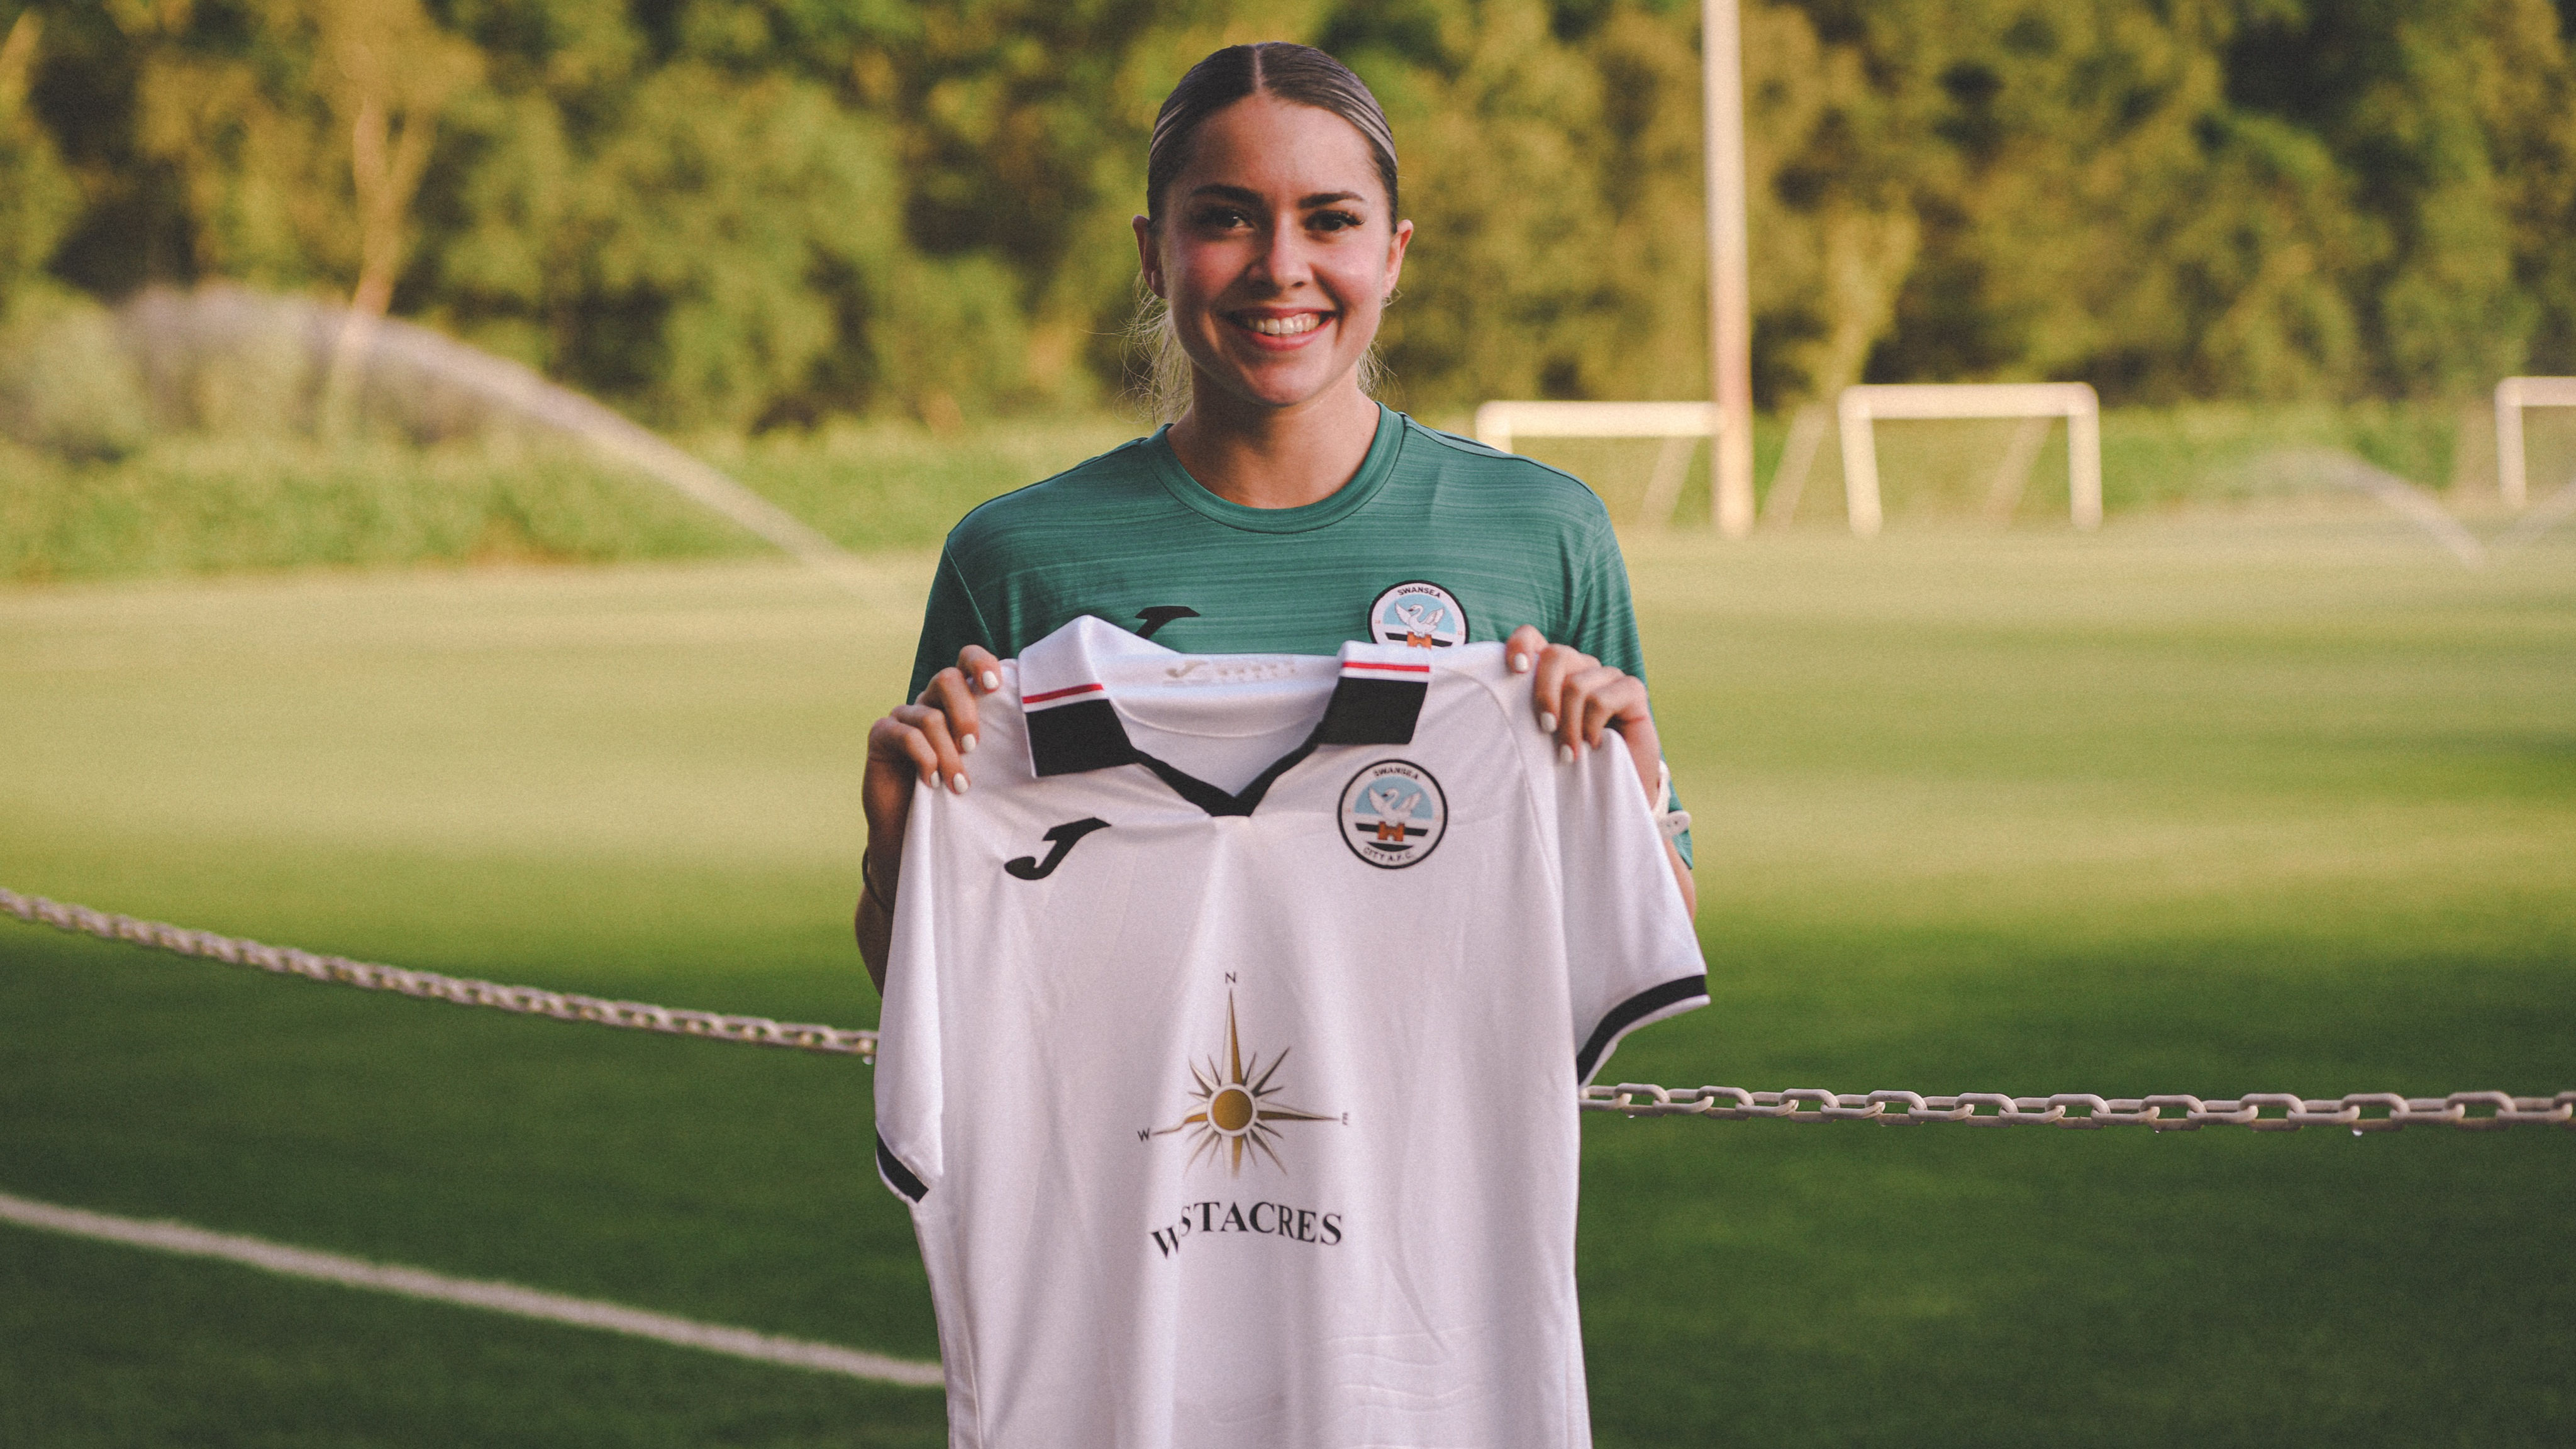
{"x": 1679, "y": 424}
{"x": 2038, "y": 402}
{"x": 2511, "y": 396}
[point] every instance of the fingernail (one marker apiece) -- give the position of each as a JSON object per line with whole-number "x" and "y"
{"x": 1520, "y": 664}
{"x": 991, "y": 680}
{"x": 1546, "y": 723}
{"x": 957, "y": 784}
{"x": 965, "y": 744}
{"x": 1565, "y": 754}
{"x": 934, "y": 779}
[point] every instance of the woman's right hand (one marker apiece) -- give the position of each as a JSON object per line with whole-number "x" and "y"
{"x": 929, "y": 738}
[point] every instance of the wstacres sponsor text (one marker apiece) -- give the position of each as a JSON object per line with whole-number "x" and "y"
{"x": 1270, "y": 1219}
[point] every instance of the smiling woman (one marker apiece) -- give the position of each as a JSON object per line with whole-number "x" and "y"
{"x": 1280, "y": 512}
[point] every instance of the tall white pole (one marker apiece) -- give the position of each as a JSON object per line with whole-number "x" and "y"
{"x": 1730, "y": 282}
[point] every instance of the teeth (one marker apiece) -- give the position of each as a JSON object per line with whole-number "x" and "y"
{"x": 1285, "y": 326}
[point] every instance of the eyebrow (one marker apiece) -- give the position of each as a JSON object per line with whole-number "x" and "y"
{"x": 1248, "y": 195}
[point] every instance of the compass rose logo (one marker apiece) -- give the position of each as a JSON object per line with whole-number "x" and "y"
{"x": 1235, "y": 1112}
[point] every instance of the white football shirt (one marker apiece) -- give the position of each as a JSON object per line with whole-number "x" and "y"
{"x": 1230, "y": 1043}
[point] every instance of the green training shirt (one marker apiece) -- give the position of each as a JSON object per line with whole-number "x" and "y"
{"x": 1435, "y": 539}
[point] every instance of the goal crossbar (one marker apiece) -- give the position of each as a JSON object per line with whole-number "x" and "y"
{"x": 1679, "y": 424}
{"x": 1860, "y": 406}
{"x": 2511, "y": 396}
{"x": 1497, "y": 423}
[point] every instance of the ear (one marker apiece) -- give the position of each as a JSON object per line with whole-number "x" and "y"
{"x": 1149, "y": 257}
{"x": 1402, "y": 239}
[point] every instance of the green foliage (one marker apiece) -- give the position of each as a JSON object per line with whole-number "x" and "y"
{"x": 38, "y": 200}
{"x": 749, "y": 213}
{"x": 191, "y": 505}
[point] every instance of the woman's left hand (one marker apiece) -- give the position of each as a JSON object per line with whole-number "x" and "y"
{"x": 1578, "y": 698}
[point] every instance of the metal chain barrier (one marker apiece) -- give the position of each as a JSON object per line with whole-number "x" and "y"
{"x": 367, "y": 976}
{"x": 2080, "y": 1111}
{"x": 2084, "y": 1112}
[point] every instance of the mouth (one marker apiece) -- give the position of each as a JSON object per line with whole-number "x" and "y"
{"x": 1284, "y": 326}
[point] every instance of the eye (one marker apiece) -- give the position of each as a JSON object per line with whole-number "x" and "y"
{"x": 1334, "y": 220}
{"x": 1220, "y": 218}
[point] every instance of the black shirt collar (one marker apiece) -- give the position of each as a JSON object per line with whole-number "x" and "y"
{"x": 1067, "y": 697}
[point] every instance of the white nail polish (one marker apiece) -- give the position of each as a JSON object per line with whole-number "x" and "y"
{"x": 956, "y": 784}
{"x": 1546, "y": 723}
{"x": 965, "y": 744}
{"x": 1520, "y": 664}
{"x": 991, "y": 680}
{"x": 934, "y": 779}
{"x": 1565, "y": 754}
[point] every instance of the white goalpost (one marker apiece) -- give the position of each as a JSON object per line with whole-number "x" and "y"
{"x": 1680, "y": 424}
{"x": 2511, "y": 396}
{"x": 2039, "y": 402}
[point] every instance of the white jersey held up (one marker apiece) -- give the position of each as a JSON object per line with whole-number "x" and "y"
{"x": 1230, "y": 1044}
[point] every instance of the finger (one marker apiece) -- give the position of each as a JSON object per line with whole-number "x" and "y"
{"x": 1521, "y": 651}
{"x": 947, "y": 767}
{"x": 895, "y": 742}
{"x": 1606, "y": 695}
{"x": 978, "y": 664}
{"x": 951, "y": 695}
{"x": 1548, "y": 669}
{"x": 1553, "y": 693}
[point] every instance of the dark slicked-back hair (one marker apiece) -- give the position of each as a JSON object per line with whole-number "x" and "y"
{"x": 1298, "y": 73}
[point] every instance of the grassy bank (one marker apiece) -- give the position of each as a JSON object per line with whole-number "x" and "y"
{"x": 200, "y": 505}
{"x": 192, "y": 505}
{"x": 196, "y": 505}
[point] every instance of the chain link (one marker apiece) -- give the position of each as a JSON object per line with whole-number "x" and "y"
{"x": 2084, "y": 1112}
{"x": 368, "y": 976}
{"x": 2080, "y": 1111}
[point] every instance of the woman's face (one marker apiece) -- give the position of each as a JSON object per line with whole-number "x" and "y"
{"x": 1276, "y": 251}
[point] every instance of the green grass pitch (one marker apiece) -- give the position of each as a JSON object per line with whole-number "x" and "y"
{"x": 2208, "y": 805}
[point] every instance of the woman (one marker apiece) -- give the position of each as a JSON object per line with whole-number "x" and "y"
{"x": 1284, "y": 511}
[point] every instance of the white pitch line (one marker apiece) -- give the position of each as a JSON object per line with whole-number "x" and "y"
{"x": 169, "y": 1237}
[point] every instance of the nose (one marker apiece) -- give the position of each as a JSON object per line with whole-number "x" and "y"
{"x": 1283, "y": 262}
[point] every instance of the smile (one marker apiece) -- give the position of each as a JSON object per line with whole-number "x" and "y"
{"x": 1295, "y": 326}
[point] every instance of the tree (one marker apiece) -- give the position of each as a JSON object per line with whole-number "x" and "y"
{"x": 38, "y": 200}
{"x": 386, "y": 73}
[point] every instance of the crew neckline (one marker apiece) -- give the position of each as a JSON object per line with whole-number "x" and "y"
{"x": 1374, "y": 470}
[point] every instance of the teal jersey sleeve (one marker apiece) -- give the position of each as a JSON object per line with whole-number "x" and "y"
{"x": 1605, "y": 617}
{"x": 949, "y": 622}
{"x": 1605, "y": 627}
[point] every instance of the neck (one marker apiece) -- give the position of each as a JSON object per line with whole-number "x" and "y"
{"x": 1275, "y": 457}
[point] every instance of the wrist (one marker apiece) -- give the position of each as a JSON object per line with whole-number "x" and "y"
{"x": 877, "y": 881}
{"x": 1670, "y": 819}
